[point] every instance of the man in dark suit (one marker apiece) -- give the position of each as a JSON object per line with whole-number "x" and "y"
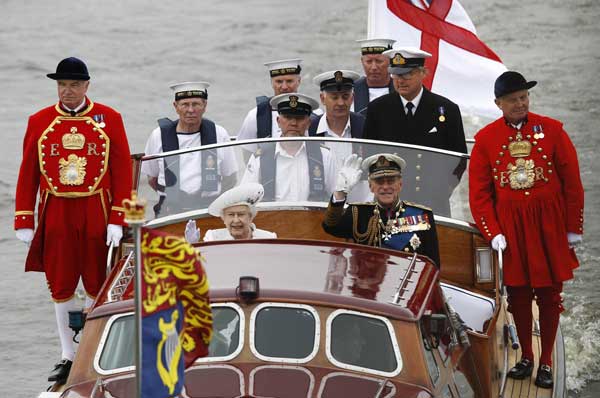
{"x": 413, "y": 114}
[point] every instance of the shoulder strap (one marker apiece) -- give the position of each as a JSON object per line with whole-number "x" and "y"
{"x": 316, "y": 172}
{"x": 169, "y": 141}
{"x": 361, "y": 95}
{"x": 268, "y": 170}
{"x": 264, "y": 120}
{"x": 357, "y": 123}
{"x": 314, "y": 125}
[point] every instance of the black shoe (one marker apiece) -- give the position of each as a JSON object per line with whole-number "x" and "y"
{"x": 544, "y": 377}
{"x": 61, "y": 371}
{"x": 523, "y": 369}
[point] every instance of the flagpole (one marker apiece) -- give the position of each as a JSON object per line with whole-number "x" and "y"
{"x": 370, "y": 27}
{"x": 135, "y": 216}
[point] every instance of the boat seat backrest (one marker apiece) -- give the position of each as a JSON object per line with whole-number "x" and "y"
{"x": 474, "y": 309}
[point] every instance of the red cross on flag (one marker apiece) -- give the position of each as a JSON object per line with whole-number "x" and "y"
{"x": 462, "y": 68}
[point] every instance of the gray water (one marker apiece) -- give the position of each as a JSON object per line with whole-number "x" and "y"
{"x": 135, "y": 49}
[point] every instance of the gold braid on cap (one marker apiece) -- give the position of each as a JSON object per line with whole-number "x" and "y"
{"x": 371, "y": 235}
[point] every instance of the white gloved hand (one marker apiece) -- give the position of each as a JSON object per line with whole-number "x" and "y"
{"x": 192, "y": 234}
{"x": 25, "y": 235}
{"x": 499, "y": 242}
{"x": 114, "y": 233}
{"x": 574, "y": 239}
{"x": 349, "y": 174}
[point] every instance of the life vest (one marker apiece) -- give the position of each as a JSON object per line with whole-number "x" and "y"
{"x": 264, "y": 120}
{"x": 361, "y": 95}
{"x": 208, "y": 136}
{"x": 357, "y": 123}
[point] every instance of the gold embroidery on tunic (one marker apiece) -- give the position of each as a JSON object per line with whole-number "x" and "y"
{"x": 72, "y": 170}
{"x": 521, "y": 175}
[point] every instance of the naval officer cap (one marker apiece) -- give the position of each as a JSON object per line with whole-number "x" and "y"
{"x": 294, "y": 104}
{"x": 284, "y": 67}
{"x": 70, "y": 69}
{"x": 375, "y": 46}
{"x": 190, "y": 90}
{"x": 405, "y": 59}
{"x": 383, "y": 165}
{"x": 510, "y": 82}
{"x": 248, "y": 194}
{"x": 336, "y": 80}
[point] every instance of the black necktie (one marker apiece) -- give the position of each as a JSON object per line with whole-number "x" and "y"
{"x": 409, "y": 108}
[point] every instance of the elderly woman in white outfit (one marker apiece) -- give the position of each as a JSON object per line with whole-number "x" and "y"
{"x": 237, "y": 208}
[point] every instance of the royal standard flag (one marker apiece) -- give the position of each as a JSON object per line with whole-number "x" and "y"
{"x": 176, "y": 314}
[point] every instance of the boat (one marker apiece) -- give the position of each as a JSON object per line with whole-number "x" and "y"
{"x": 311, "y": 315}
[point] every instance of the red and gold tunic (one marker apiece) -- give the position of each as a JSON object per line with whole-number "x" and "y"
{"x": 525, "y": 184}
{"x": 80, "y": 167}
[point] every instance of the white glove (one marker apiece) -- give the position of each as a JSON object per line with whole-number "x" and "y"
{"x": 349, "y": 174}
{"x": 192, "y": 234}
{"x": 499, "y": 242}
{"x": 574, "y": 239}
{"x": 114, "y": 233}
{"x": 25, "y": 235}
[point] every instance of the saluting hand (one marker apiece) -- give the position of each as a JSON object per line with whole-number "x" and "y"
{"x": 192, "y": 234}
{"x": 349, "y": 175}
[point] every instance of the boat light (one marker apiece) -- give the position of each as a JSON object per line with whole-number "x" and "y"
{"x": 76, "y": 322}
{"x": 484, "y": 264}
{"x": 248, "y": 288}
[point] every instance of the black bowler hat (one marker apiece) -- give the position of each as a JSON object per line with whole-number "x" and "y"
{"x": 70, "y": 69}
{"x": 511, "y": 81}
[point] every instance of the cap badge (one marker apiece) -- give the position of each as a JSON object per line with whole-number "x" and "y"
{"x": 382, "y": 162}
{"x": 398, "y": 59}
{"x": 339, "y": 76}
{"x": 293, "y": 101}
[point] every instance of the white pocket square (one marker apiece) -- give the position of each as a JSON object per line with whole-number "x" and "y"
{"x": 433, "y": 130}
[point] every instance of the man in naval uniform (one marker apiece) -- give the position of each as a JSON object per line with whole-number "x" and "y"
{"x": 377, "y": 81}
{"x": 192, "y": 180}
{"x": 526, "y": 197}
{"x": 338, "y": 121}
{"x": 76, "y": 162}
{"x": 293, "y": 170}
{"x": 237, "y": 209}
{"x": 261, "y": 121}
{"x": 388, "y": 221}
{"x": 413, "y": 114}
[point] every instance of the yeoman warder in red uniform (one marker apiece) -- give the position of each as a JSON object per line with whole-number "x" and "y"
{"x": 526, "y": 197}
{"x": 76, "y": 165}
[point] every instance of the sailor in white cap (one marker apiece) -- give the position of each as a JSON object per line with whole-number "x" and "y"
{"x": 237, "y": 208}
{"x": 413, "y": 114}
{"x": 293, "y": 170}
{"x": 377, "y": 81}
{"x": 261, "y": 121}
{"x": 191, "y": 180}
{"x": 388, "y": 221}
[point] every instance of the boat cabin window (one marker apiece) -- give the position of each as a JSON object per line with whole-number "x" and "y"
{"x": 116, "y": 349}
{"x": 284, "y": 332}
{"x": 362, "y": 342}
{"x": 340, "y": 384}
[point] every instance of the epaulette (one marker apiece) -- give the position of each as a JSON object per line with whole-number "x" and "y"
{"x": 420, "y": 206}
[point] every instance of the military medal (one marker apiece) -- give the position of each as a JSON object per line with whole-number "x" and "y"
{"x": 100, "y": 120}
{"x": 539, "y": 133}
{"x": 442, "y": 118}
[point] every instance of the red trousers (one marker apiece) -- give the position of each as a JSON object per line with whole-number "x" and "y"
{"x": 74, "y": 245}
{"x": 550, "y": 306}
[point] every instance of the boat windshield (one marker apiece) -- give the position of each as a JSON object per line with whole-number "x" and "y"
{"x": 295, "y": 171}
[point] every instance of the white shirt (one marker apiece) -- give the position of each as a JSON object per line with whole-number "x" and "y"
{"x": 342, "y": 149}
{"x": 223, "y": 234}
{"x": 415, "y": 101}
{"x": 190, "y": 164}
{"x": 249, "y": 131}
{"x": 376, "y": 92}
{"x": 292, "y": 180}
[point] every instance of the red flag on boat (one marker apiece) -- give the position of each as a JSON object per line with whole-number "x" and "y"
{"x": 176, "y": 314}
{"x": 462, "y": 67}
